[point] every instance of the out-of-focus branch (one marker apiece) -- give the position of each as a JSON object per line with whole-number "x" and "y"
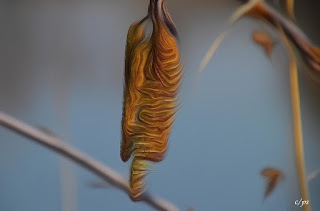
{"x": 96, "y": 167}
{"x": 297, "y": 123}
{"x": 310, "y": 52}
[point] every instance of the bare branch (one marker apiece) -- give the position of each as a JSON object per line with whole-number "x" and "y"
{"x": 96, "y": 167}
{"x": 309, "y": 51}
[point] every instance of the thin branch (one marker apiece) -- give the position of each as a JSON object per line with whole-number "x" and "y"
{"x": 96, "y": 167}
{"x": 297, "y": 125}
{"x": 296, "y": 35}
{"x": 309, "y": 51}
{"x": 260, "y": 10}
{"x": 311, "y": 56}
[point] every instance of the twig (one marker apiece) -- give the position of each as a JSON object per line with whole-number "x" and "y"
{"x": 301, "y": 41}
{"x": 297, "y": 125}
{"x": 261, "y": 10}
{"x": 296, "y": 35}
{"x": 96, "y": 167}
{"x": 298, "y": 135}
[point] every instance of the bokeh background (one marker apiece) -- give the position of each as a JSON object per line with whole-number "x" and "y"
{"x": 61, "y": 67}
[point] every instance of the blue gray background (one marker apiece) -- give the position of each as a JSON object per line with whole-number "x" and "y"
{"x": 61, "y": 66}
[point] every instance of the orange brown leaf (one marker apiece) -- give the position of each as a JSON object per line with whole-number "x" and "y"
{"x": 265, "y": 40}
{"x": 273, "y": 177}
{"x": 153, "y": 74}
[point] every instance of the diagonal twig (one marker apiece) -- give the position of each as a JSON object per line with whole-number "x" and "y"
{"x": 96, "y": 167}
{"x": 309, "y": 51}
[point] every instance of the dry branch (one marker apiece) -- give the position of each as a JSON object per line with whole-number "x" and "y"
{"x": 309, "y": 51}
{"x": 311, "y": 54}
{"x": 96, "y": 167}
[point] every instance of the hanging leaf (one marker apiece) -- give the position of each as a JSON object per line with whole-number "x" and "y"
{"x": 273, "y": 177}
{"x": 264, "y": 39}
{"x": 153, "y": 74}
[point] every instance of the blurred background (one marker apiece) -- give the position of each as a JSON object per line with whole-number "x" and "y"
{"x": 61, "y": 67}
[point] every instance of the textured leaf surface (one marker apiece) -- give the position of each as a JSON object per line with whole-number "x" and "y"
{"x": 153, "y": 75}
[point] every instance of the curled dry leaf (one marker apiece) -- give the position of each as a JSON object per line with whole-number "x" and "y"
{"x": 264, "y": 39}
{"x": 153, "y": 74}
{"x": 273, "y": 177}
